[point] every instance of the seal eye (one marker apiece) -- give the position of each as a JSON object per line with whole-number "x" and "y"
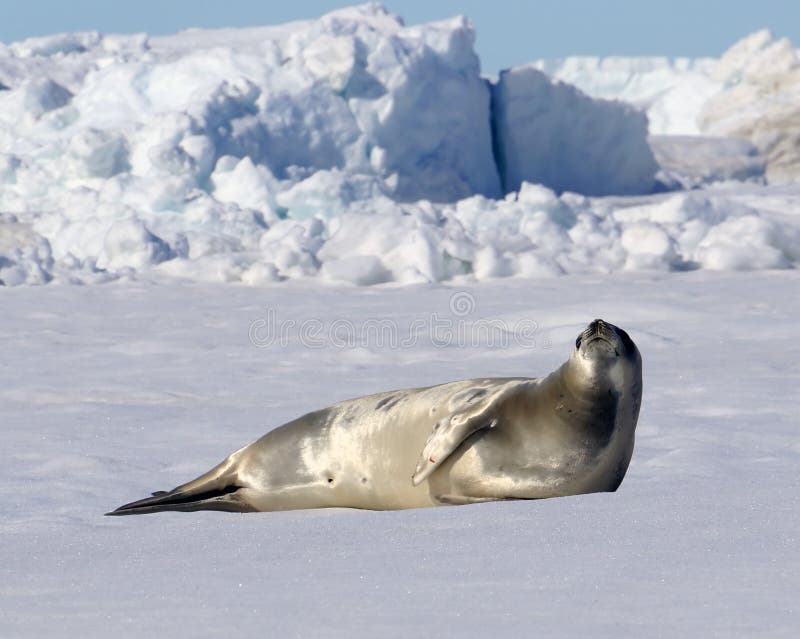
{"x": 578, "y": 341}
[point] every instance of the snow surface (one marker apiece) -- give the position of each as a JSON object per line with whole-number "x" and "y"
{"x": 108, "y": 393}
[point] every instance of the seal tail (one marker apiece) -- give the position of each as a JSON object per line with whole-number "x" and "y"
{"x": 218, "y": 489}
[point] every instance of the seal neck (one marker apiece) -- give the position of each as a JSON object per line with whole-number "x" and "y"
{"x": 584, "y": 380}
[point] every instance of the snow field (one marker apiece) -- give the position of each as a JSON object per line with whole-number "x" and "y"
{"x": 110, "y": 392}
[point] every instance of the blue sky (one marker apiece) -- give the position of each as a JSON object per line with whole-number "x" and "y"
{"x": 509, "y": 31}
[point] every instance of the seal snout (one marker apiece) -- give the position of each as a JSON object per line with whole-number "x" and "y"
{"x": 597, "y": 329}
{"x": 598, "y": 333}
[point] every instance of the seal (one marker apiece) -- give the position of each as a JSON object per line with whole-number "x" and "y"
{"x": 569, "y": 433}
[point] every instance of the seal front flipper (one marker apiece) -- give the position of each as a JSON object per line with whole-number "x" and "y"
{"x": 471, "y": 410}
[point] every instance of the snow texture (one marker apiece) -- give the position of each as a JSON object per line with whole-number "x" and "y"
{"x": 533, "y": 233}
{"x": 108, "y": 393}
{"x": 331, "y": 149}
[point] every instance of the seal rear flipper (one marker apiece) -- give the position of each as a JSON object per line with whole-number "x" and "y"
{"x": 225, "y": 499}
{"x": 218, "y": 489}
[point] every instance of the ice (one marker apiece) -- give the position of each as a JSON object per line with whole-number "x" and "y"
{"x": 243, "y": 183}
{"x": 25, "y": 256}
{"x": 327, "y": 194}
{"x": 759, "y": 101}
{"x": 98, "y": 153}
{"x": 209, "y": 137}
{"x": 361, "y": 270}
{"x": 553, "y": 134}
{"x": 672, "y": 91}
{"x": 743, "y": 243}
{"x": 751, "y": 92}
{"x": 691, "y": 161}
{"x": 130, "y": 243}
{"x": 39, "y": 96}
{"x": 57, "y": 45}
{"x": 355, "y": 149}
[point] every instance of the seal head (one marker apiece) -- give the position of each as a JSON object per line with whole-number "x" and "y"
{"x": 605, "y": 354}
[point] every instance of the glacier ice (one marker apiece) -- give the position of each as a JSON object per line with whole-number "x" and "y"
{"x": 551, "y": 133}
{"x": 356, "y": 149}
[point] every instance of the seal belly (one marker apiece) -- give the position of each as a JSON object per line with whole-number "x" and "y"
{"x": 359, "y": 454}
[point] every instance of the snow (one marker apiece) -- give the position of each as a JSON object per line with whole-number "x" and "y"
{"x": 109, "y": 392}
{"x": 531, "y": 233}
{"x": 331, "y": 93}
{"x": 25, "y": 257}
{"x": 553, "y": 134}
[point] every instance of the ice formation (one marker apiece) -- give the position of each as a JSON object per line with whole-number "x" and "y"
{"x": 691, "y": 161}
{"x": 752, "y": 92}
{"x": 760, "y": 101}
{"x": 672, "y": 91}
{"x": 551, "y": 133}
{"x": 352, "y": 149}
